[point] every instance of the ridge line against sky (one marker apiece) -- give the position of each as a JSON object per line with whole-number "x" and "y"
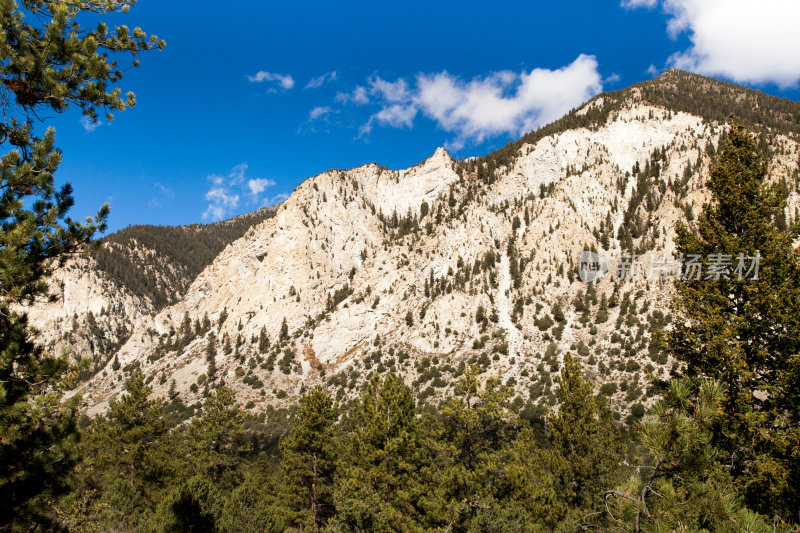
{"x": 228, "y": 124}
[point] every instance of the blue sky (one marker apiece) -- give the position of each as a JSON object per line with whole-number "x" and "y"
{"x": 250, "y": 98}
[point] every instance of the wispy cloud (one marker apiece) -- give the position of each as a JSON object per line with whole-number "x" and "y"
{"x": 632, "y": 4}
{"x": 357, "y": 96}
{"x": 389, "y": 91}
{"x": 259, "y": 185}
{"x": 226, "y": 192}
{"x": 741, "y": 40}
{"x": 319, "y": 81}
{"x": 395, "y": 116}
{"x": 164, "y": 193}
{"x": 319, "y": 112}
{"x": 503, "y": 102}
{"x": 89, "y": 125}
{"x": 318, "y": 115}
{"x": 278, "y": 198}
{"x": 284, "y": 80}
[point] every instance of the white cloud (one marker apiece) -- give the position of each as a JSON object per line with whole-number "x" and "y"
{"x": 742, "y": 40}
{"x": 395, "y": 115}
{"x": 88, "y": 125}
{"x": 319, "y": 81}
{"x": 221, "y": 202}
{"x": 165, "y": 191}
{"x": 224, "y": 196}
{"x": 632, "y": 4}
{"x": 396, "y": 91}
{"x": 284, "y": 80}
{"x": 318, "y": 112}
{"x": 381, "y": 90}
{"x": 501, "y": 102}
{"x": 358, "y": 96}
{"x": 259, "y": 185}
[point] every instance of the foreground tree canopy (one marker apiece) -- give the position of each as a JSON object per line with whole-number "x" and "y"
{"x": 745, "y": 332}
{"x": 48, "y": 62}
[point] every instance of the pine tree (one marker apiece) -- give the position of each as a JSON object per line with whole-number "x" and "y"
{"x": 208, "y": 462}
{"x": 284, "y": 334}
{"x": 309, "y": 463}
{"x": 218, "y": 437}
{"x": 211, "y": 357}
{"x": 377, "y": 486}
{"x": 558, "y": 313}
{"x": 470, "y": 442}
{"x": 191, "y": 506}
{"x": 586, "y": 445}
{"x": 49, "y": 63}
{"x": 684, "y": 487}
{"x": 480, "y": 314}
{"x": 602, "y": 311}
{"x": 263, "y": 341}
{"x": 122, "y": 458}
{"x": 745, "y": 332}
{"x": 251, "y": 505}
{"x": 513, "y": 263}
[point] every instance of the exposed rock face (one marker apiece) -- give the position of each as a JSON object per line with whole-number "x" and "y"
{"x": 88, "y": 314}
{"x": 448, "y": 263}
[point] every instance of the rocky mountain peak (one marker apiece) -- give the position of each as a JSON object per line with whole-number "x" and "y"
{"x": 447, "y": 264}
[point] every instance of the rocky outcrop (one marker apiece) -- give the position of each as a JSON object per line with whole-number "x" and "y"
{"x": 446, "y": 264}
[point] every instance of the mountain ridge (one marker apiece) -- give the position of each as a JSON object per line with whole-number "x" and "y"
{"x": 427, "y": 270}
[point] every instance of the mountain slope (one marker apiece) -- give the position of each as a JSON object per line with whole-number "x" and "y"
{"x": 96, "y": 301}
{"x": 159, "y": 262}
{"x": 452, "y": 263}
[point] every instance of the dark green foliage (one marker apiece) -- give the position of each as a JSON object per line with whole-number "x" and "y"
{"x": 211, "y": 357}
{"x": 121, "y": 459}
{"x": 285, "y": 362}
{"x": 745, "y": 333}
{"x": 48, "y": 63}
{"x": 263, "y": 341}
{"x": 188, "y": 508}
{"x": 558, "y": 314}
{"x": 308, "y": 457}
{"x": 390, "y": 464}
{"x": 608, "y": 389}
{"x": 217, "y": 439}
{"x": 377, "y": 486}
{"x": 586, "y": 444}
{"x": 250, "y": 506}
{"x": 683, "y": 487}
{"x": 191, "y": 248}
{"x": 480, "y": 315}
{"x": 339, "y": 295}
